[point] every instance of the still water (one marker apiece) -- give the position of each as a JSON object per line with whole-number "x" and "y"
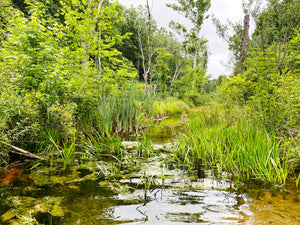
{"x": 142, "y": 191}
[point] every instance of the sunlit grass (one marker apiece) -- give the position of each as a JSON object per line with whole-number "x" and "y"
{"x": 235, "y": 145}
{"x": 170, "y": 106}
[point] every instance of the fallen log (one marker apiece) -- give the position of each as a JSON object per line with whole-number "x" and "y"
{"x": 23, "y": 152}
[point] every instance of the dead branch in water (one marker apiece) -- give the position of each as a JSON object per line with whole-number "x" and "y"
{"x": 23, "y": 152}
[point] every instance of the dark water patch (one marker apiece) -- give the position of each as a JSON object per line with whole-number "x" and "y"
{"x": 84, "y": 172}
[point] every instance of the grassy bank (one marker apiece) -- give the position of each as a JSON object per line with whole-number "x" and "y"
{"x": 94, "y": 125}
{"x": 229, "y": 141}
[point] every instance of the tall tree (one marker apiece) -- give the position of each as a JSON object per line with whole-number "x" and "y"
{"x": 271, "y": 83}
{"x": 146, "y": 69}
{"x": 194, "y": 11}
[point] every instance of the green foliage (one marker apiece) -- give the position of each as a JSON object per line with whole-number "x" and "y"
{"x": 66, "y": 152}
{"x": 212, "y": 85}
{"x": 233, "y": 143}
{"x": 271, "y": 87}
{"x": 191, "y": 86}
{"x": 277, "y": 23}
{"x": 194, "y": 11}
{"x": 6, "y": 14}
{"x": 162, "y": 71}
{"x": 35, "y": 78}
{"x": 53, "y": 72}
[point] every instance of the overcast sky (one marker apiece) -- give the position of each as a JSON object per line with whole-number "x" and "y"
{"x": 223, "y": 9}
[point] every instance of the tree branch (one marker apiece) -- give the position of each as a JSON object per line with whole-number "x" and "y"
{"x": 23, "y": 152}
{"x": 100, "y": 4}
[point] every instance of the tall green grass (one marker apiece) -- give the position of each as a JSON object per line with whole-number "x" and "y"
{"x": 124, "y": 112}
{"x": 103, "y": 144}
{"x": 118, "y": 116}
{"x": 233, "y": 143}
{"x": 128, "y": 111}
{"x": 66, "y": 152}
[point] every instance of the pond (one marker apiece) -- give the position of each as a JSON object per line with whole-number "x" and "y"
{"x": 142, "y": 191}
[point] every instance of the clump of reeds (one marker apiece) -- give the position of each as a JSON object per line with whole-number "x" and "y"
{"x": 234, "y": 144}
{"x": 123, "y": 113}
{"x": 66, "y": 152}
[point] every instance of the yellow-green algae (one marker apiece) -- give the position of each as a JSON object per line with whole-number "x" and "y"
{"x": 23, "y": 209}
{"x": 50, "y": 175}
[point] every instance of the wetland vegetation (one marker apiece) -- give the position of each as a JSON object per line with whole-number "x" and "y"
{"x": 106, "y": 118}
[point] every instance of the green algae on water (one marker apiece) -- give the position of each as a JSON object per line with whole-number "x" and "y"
{"x": 24, "y": 209}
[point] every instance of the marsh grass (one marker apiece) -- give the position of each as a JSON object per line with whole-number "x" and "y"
{"x": 149, "y": 183}
{"x": 103, "y": 143}
{"x": 118, "y": 115}
{"x": 145, "y": 147}
{"x": 106, "y": 114}
{"x": 123, "y": 113}
{"x": 128, "y": 111}
{"x": 66, "y": 151}
{"x": 235, "y": 144}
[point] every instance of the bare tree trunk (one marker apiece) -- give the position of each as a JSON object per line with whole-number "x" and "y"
{"x": 245, "y": 45}
{"x": 262, "y": 40}
{"x": 85, "y": 48}
{"x": 175, "y": 76}
{"x": 100, "y": 4}
{"x": 143, "y": 57}
{"x": 148, "y": 70}
{"x": 283, "y": 47}
{"x": 148, "y": 43}
{"x": 23, "y": 152}
{"x": 195, "y": 59}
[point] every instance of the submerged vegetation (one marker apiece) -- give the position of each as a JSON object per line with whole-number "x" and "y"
{"x": 78, "y": 79}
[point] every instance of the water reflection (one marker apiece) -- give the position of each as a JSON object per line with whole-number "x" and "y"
{"x": 176, "y": 206}
{"x": 197, "y": 198}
